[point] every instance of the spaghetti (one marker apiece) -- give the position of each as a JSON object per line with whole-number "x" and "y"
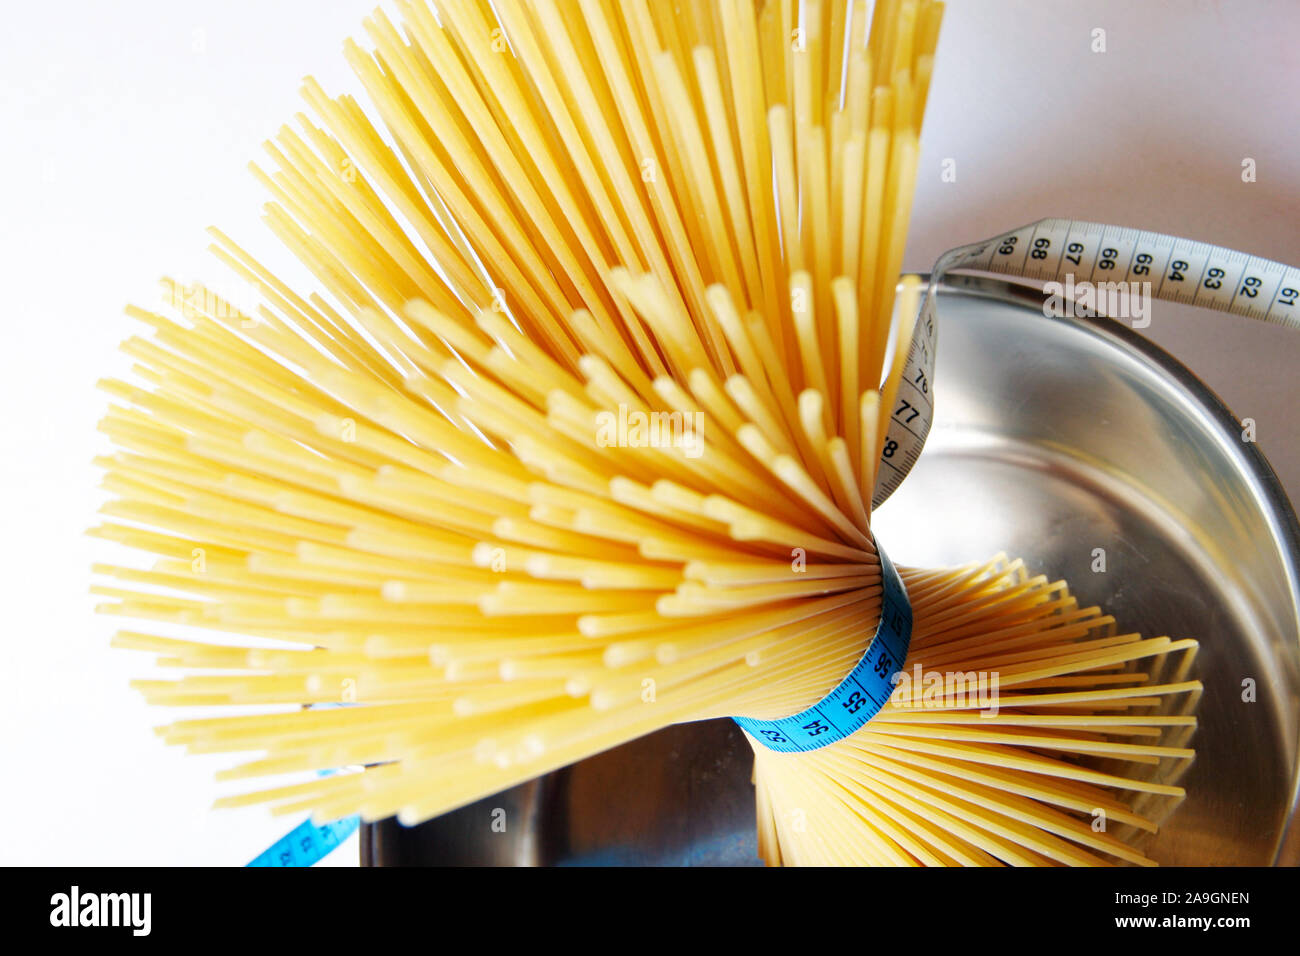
{"x": 582, "y": 441}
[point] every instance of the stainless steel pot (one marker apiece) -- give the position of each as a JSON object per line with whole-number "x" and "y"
{"x": 1053, "y": 438}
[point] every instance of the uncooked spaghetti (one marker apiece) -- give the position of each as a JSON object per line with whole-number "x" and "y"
{"x": 580, "y": 440}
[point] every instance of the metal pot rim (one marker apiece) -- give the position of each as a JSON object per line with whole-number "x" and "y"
{"x": 1281, "y": 513}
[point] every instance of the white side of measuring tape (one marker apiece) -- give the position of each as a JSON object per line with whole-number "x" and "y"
{"x": 1179, "y": 270}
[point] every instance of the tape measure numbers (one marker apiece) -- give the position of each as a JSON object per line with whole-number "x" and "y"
{"x": 857, "y": 698}
{"x": 307, "y": 843}
{"x": 1179, "y": 270}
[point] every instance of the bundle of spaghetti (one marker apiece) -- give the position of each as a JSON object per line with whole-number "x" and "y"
{"x": 1023, "y": 730}
{"x": 583, "y": 437}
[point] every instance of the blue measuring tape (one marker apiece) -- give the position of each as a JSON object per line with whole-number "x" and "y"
{"x": 861, "y": 694}
{"x": 307, "y": 843}
{"x": 842, "y": 712}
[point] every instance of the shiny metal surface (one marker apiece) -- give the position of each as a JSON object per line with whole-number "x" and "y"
{"x": 679, "y": 797}
{"x": 1052, "y": 438}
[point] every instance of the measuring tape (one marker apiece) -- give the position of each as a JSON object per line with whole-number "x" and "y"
{"x": 861, "y": 694}
{"x": 307, "y": 843}
{"x": 1178, "y": 270}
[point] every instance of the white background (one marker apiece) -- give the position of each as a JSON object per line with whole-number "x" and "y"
{"x": 125, "y": 129}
